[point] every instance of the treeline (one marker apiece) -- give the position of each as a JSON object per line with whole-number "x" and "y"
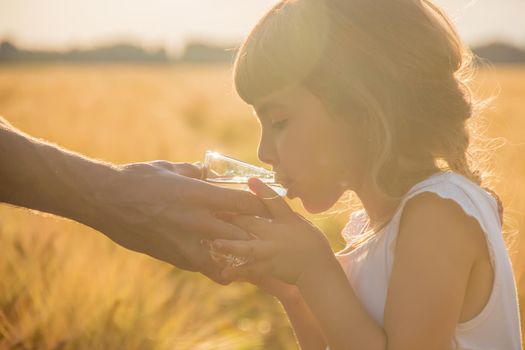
{"x": 122, "y": 52}
{"x": 497, "y": 53}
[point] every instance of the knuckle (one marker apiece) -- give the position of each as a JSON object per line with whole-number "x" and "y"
{"x": 237, "y": 220}
{"x": 189, "y": 169}
{"x": 136, "y": 167}
{"x": 160, "y": 162}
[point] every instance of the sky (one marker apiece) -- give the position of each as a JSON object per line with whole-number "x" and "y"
{"x": 62, "y": 24}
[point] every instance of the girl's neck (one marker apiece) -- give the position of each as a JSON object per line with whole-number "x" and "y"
{"x": 379, "y": 207}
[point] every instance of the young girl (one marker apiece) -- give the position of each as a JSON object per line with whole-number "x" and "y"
{"x": 372, "y": 97}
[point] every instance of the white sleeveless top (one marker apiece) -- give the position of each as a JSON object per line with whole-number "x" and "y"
{"x": 368, "y": 266}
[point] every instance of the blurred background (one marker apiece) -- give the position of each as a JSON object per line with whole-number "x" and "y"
{"x": 133, "y": 80}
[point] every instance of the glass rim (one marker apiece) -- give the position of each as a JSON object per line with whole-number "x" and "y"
{"x": 235, "y": 160}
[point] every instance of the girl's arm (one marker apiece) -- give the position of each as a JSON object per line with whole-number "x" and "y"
{"x": 436, "y": 247}
{"x": 341, "y": 316}
{"x": 305, "y": 326}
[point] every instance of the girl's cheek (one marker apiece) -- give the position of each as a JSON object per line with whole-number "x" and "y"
{"x": 286, "y": 145}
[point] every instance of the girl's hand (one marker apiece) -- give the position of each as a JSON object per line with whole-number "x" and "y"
{"x": 286, "y": 245}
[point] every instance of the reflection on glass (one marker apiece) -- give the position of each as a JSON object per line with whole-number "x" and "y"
{"x": 229, "y": 172}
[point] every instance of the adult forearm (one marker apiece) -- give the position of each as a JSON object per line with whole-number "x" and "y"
{"x": 44, "y": 177}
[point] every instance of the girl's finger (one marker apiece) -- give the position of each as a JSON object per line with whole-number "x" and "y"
{"x": 256, "y": 249}
{"x": 252, "y": 271}
{"x": 275, "y": 203}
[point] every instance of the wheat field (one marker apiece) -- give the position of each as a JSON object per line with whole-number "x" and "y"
{"x": 65, "y": 286}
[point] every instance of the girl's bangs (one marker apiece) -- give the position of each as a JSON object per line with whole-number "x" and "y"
{"x": 282, "y": 50}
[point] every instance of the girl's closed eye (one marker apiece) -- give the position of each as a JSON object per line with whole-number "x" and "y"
{"x": 279, "y": 124}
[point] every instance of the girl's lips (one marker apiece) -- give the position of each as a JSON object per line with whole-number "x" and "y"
{"x": 283, "y": 180}
{"x": 279, "y": 178}
{"x": 290, "y": 193}
{"x": 286, "y": 183}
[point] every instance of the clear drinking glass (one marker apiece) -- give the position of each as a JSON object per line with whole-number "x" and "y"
{"x": 229, "y": 172}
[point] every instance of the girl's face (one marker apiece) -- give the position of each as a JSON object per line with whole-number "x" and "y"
{"x": 316, "y": 156}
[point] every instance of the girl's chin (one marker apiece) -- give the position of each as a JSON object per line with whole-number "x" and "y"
{"x": 317, "y": 205}
{"x": 316, "y": 202}
{"x": 314, "y": 209}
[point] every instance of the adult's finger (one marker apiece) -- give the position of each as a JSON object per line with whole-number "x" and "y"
{"x": 201, "y": 260}
{"x": 213, "y": 272}
{"x": 208, "y": 226}
{"x": 220, "y": 199}
{"x": 185, "y": 169}
{"x": 255, "y": 248}
{"x": 275, "y": 203}
{"x": 189, "y": 170}
{"x": 261, "y": 227}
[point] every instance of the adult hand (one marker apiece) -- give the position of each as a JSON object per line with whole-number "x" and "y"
{"x": 159, "y": 209}
{"x": 147, "y": 207}
{"x": 286, "y": 246}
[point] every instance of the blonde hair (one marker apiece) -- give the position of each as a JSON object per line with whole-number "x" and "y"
{"x": 396, "y": 69}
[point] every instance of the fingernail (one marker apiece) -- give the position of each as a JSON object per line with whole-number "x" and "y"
{"x": 217, "y": 244}
{"x": 205, "y": 242}
{"x": 253, "y": 181}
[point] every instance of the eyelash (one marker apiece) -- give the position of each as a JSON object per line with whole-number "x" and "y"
{"x": 280, "y": 124}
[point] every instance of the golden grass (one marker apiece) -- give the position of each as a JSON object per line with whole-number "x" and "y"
{"x": 65, "y": 286}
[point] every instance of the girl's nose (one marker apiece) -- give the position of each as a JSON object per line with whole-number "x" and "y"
{"x": 266, "y": 151}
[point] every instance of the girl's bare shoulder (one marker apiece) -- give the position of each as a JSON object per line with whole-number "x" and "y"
{"x": 428, "y": 219}
{"x": 436, "y": 247}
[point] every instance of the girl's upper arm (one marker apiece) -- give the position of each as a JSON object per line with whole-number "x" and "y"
{"x": 435, "y": 251}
